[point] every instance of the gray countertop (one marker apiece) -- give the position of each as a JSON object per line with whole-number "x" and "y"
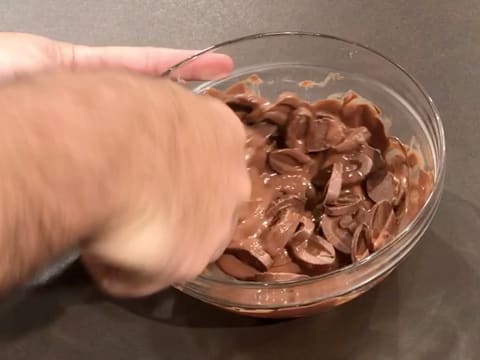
{"x": 427, "y": 309}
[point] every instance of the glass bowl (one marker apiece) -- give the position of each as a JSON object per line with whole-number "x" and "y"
{"x": 284, "y": 61}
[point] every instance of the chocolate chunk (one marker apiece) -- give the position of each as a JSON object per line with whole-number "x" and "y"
{"x": 359, "y": 112}
{"x": 276, "y": 114}
{"x": 251, "y": 104}
{"x": 235, "y": 267}
{"x": 323, "y": 133}
{"x": 314, "y": 270}
{"x": 281, "y": 231}
{"x": 251, "y": 251}
{"x": 363, "y": 214}
{"x": 289, "y": 99}
{"x": 291, "y": 267}
{"x": 340, "y": 238}
{"x": 347, "y": 222}
{"x": 284, "y": 263}
{"x": 297, "y": 185}
{"x": 298, "y": 128}
{"x": 265, "y": 130}
{"x": 289, "y": 161}
{"x": 305, "y": 229}
{"x": 356, "y": 166}
{"x": 352, "y": 193}
{"x": 314, "y": 251}
{"x": 344, "y": 209}
{"x": 282, "y": 258}
{"x": 382, "y": 185}
{"x": 360, "y": 243}
{"x": 354, "y": 138}
{"x": 327, "y": 106}
{"x": 334, "y": 184}
{"x": 284, "y": 202}
{"x": 383, "y": 224}
{"x": 379, "y": 162}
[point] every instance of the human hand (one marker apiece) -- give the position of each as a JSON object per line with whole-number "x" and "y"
{"x": 151, "y": 173}
{"x": 136, "y": 165}
{"x": 25, "y": 53}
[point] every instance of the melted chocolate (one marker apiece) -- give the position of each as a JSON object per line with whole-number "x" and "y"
{"x": 330, "y": 186}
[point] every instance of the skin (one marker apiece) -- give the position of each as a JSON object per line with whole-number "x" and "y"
{"x": 146, "y": 177}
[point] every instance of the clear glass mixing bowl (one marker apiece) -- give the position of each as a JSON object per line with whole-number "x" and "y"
{"x": 284, "y": 61}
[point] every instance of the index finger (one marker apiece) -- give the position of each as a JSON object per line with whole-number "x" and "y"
{"x": 149, "y": 60}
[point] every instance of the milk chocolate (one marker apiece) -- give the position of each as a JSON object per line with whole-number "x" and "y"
{"x": 330, "y": 186}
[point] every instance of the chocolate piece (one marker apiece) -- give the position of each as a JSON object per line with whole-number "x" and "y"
{"x": 382, "y": 185}
{"x": 314, "y": 251}
{"x": 360, "y": 243}
{"x": 356, "y": 166}
{"x": 304, "y": 230}
{"x": 292, "y": 267}
{"x": 344, "y": 209}
{"x": 340, "y": 238}
{"x": 298, "y": 128}
{"x": 363, "y": 214}
{"x": 327, "y": 107}
{"x": 289, "y": 161}
{"x": 379, "y": 162}
{"x": 347, "y": 203}
{"x": 282, "y": 258}
{"x": 324, "y": 132}
{"x": 264, "y": 129}
{"x": 276, "y": 114}
{"x": 358, "y": 112}
{"x": 289, "y": 99}
{"x": 354, "y": 138}
{"x": 284, "y": 202}
{"x": 347, "y": 222}
{"x": 383, "y": 224}
{"x": 284, "y": 263}
{"x": 334, "y": 184}
{"x": 281, "y": 231}
{"x": 251, "y": 251}
{"x": 250, "y": 104}
{"x": 297, "y": 185}
{"x": 235, "y": 267}
{"x": 351, "y": 193}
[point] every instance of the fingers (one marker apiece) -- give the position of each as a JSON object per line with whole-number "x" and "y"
{"x": 147, "y": 60}
{"x": 25, "y": 53}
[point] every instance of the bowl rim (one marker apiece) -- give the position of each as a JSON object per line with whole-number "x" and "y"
{"x": 438, "y": 175}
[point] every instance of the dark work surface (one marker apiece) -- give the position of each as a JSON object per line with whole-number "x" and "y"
{"x": 427, "y": 309}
